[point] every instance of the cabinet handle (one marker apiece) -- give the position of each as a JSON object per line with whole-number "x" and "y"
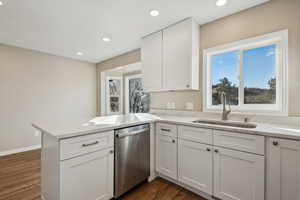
{"x": 164, "y": 129}
{"x": 207, "y": 149}
{"x": 111, "y": 151}
{"x": 89, "y": 144}
{"x": 173, "y": 141}
{"x": 275, "y": 143}
{"x": 216, "y": 151}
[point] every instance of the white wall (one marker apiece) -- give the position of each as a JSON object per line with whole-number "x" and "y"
{"x": 37, "y": 86}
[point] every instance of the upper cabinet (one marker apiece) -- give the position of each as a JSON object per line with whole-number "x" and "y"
{"x": 152, "y": 62}
{"x": 170, "y": 58}
{"x": 181, "y": 56}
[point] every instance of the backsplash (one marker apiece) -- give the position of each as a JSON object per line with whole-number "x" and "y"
{"x": 179, "y": 100}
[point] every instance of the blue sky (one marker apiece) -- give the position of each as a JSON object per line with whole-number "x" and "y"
{"x": 259, "y": 66}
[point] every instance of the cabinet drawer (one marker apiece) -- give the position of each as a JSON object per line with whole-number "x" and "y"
{"x": 84, "y": 144}
{"x": 201, "y": 135}
{"x": 238, "y": 141}
{"x": 166, "y": 129}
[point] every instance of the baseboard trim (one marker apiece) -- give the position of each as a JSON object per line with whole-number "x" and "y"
{"x": 151, "y": 178}
{"x": 33, "y": 147}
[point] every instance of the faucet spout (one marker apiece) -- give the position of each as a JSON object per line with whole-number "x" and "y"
{"x": 225, "y": 112}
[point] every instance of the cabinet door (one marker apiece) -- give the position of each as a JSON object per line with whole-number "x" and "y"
{"x": 152, "y": 62}
{"x": 88, "y": 177}
{"x": 238, "y": 175}
{"x": 167, "y": 156}
{"x": 195, "y": 165}
{"x": 283, "y": 170}
{"x": 180, "y": 59}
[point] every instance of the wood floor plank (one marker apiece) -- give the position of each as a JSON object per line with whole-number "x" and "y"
{"x": 20, "y": 180}
{"x": 20, "y": 176}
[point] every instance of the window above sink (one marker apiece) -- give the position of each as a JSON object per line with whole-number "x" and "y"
{"x": 252, "y": 73}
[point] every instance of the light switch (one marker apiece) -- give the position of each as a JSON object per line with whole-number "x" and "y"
{"x": 169, "y": 106}
{"x": 173, "y": 105}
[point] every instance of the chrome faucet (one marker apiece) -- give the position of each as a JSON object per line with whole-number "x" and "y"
{"x": 225, "y": 112}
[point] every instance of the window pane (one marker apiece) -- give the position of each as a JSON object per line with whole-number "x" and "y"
{"x": 139, "y": 101}
{"x": 225, "y": 71}
{"x": 114, "y": 87}
{"x": 114, "y": 95}
{"x": 260, "y": 75}
{"x": 114, "y": 104}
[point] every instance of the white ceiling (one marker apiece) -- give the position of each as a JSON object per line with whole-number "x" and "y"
{"x": 64, "y": 27}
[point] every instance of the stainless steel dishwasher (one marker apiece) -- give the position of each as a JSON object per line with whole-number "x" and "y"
{"x": 132, "y": 157}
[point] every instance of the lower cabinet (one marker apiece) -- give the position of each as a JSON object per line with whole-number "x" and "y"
{"x": 283, "y": 169}
{"x": 166, "y": 154}
{"x": 238, "y": 175}
{"x": 195, "y": 165}
{"x": 88, "y": 176}
{"x": 230, "y": 166}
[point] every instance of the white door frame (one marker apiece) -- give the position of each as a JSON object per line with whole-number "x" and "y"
{"x": 103, "y": 93}
{"x": 133, "y": 67}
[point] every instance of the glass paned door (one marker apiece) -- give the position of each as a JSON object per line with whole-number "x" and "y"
{"x": 114, "y": 95}
{"x": 137, "y": 101}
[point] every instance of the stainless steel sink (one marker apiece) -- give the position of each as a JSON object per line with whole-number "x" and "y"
{"x": 227, "y": 123}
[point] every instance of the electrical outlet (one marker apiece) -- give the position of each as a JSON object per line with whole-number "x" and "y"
{"x": 173, "y": 105}
{"x": 189, "y": 105}
{"x": 37, "y": 133}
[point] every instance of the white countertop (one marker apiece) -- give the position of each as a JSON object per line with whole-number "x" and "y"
{"x": 61, "y": 130}
{"x": 72, "y": 128}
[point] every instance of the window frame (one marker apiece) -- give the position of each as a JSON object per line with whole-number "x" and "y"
{"x": 280, "y": 39}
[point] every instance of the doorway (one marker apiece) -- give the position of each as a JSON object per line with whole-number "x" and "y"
{"x": 122, "y": 91}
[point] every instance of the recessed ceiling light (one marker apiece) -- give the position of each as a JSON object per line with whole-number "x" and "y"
{"x": 79, "y": 53}
{"x": 1, "y": 3}
{"x": 221, "y": 2}
{"x": 154, "y": 13}
{"x": 106, "y": 39}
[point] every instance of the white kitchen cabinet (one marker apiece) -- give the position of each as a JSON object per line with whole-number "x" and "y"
{"x": 170, "y": 58}
{"x": 166, "y": 156}
{"x": 195, "y": 165}
{"x": 181, "y": 56}
{"x": 89, "y": 176}
{"x": 238, "y": 175}
{"x": 283, "y": 169}
{"x": 151, "y": 55}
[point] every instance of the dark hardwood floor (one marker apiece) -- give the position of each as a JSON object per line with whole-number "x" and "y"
{"x": 160, "y": 189}
{"x": 20, "y": 180}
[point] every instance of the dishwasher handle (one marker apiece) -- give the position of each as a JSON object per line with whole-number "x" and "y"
{"x": 131, "y": 133}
